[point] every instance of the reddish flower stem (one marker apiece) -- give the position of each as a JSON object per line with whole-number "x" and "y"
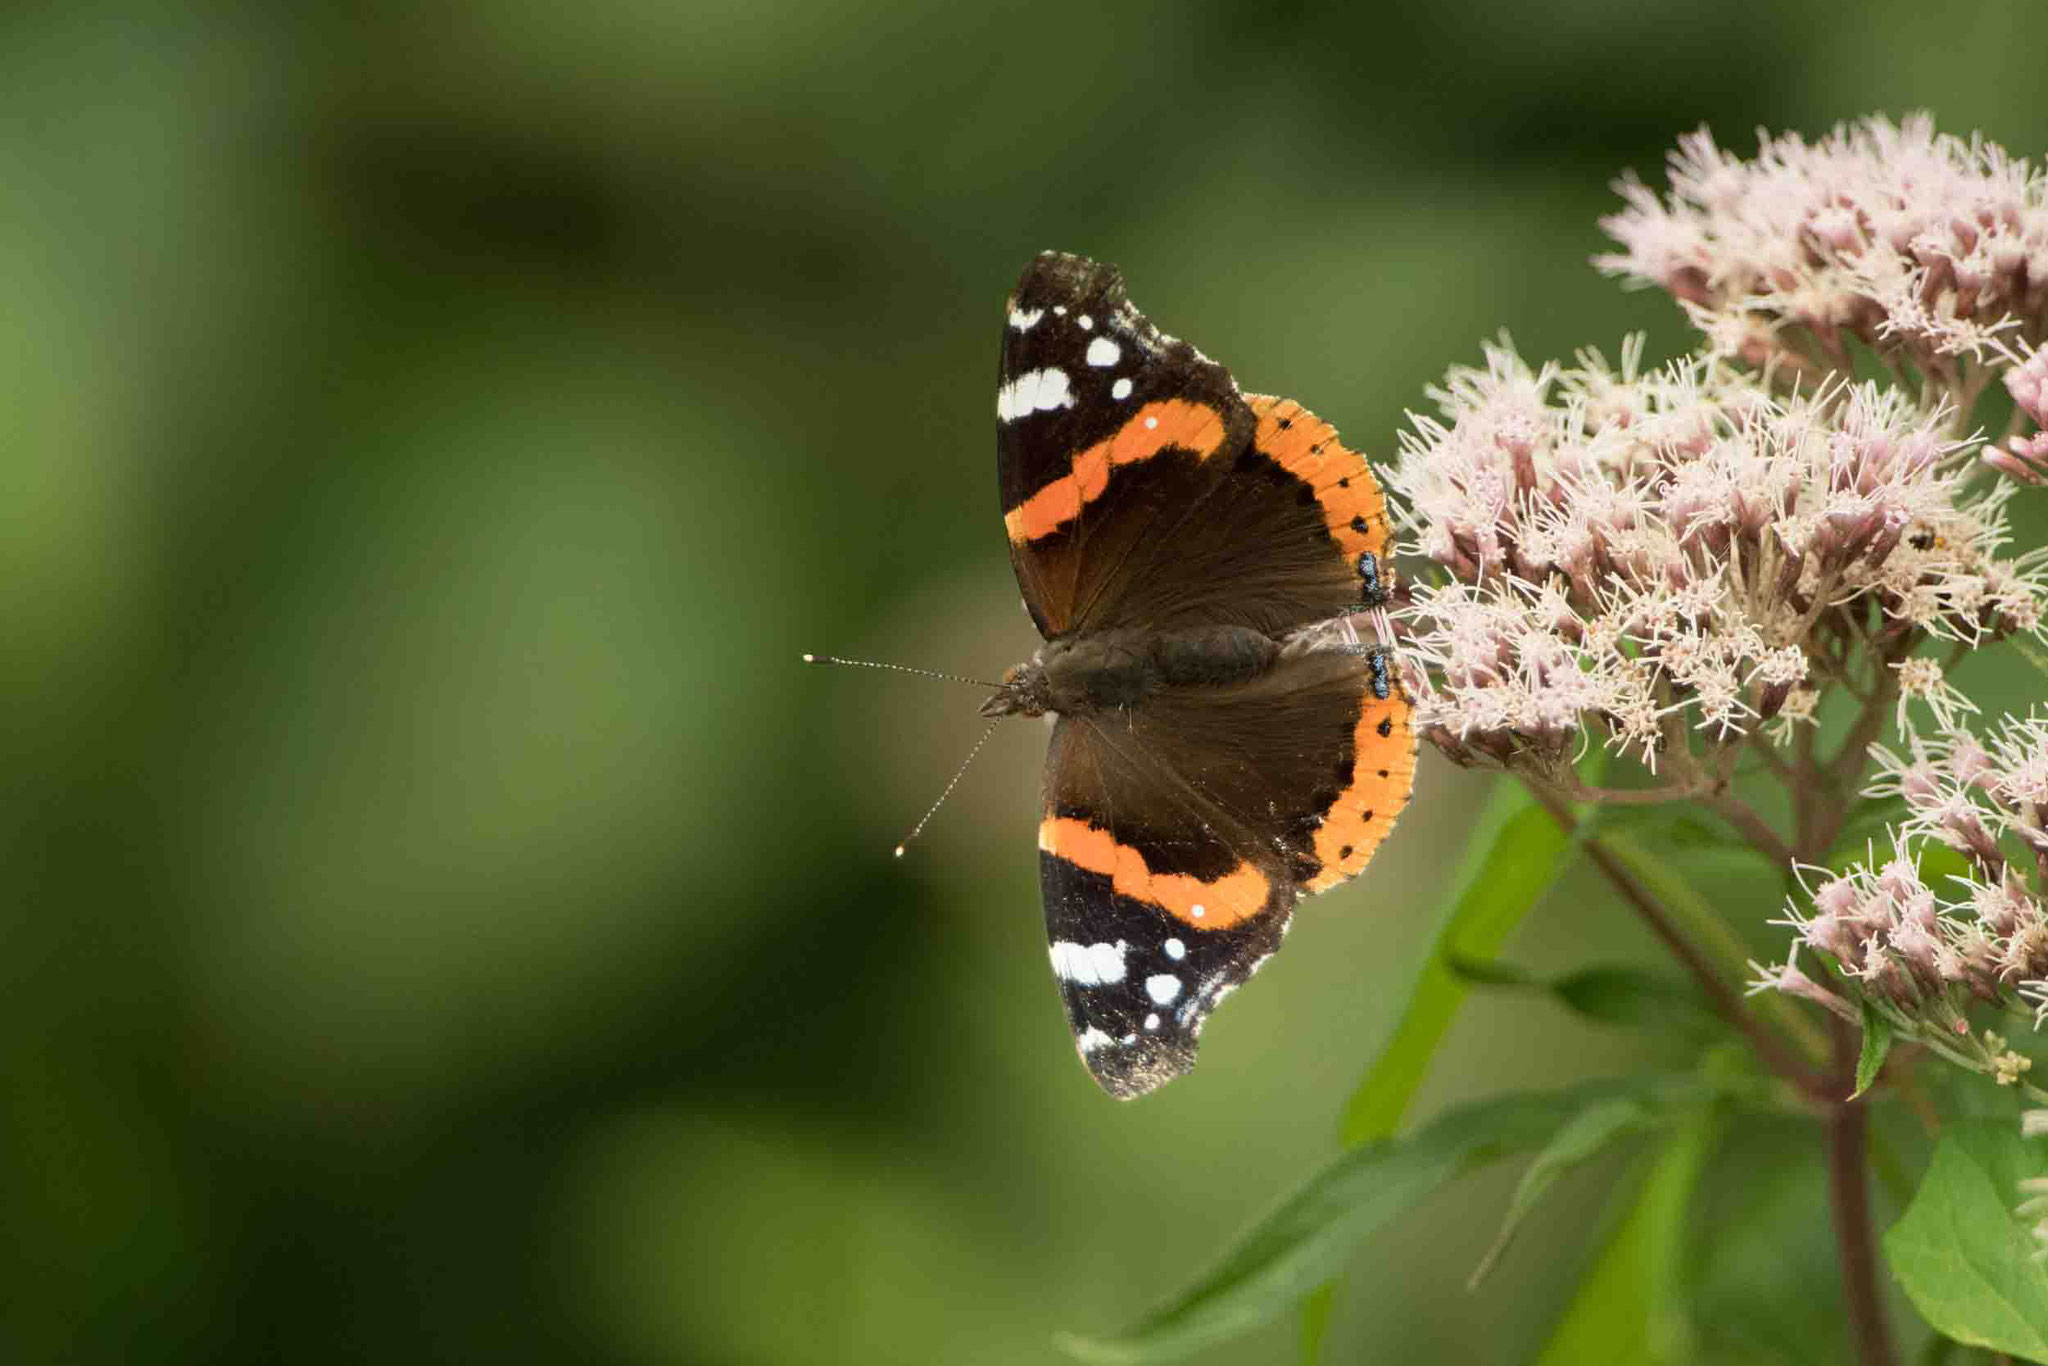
{"x": 1848, "y": 1125}
{"x": 1721, "y": 998}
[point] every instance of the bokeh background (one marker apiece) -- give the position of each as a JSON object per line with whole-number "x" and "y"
{"x": 439, "y": 918}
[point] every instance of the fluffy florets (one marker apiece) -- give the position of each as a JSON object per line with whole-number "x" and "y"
{"x": 1922, "y": 949}
{"x": 1682, "y": 550}
{"x": 1915, "y": 242}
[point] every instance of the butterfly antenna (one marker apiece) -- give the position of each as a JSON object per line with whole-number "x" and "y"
{"x": 917, "y": 829}
{"x": 899, "y": 668}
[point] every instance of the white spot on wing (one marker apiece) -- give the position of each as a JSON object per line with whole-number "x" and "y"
{"x": 1085, "y": 321}
{"x": 1162, "y": 987}
{"x": 1151, "y": 422}
{"x": 1103, "y": 353}
{"x": 1091, "y": 1038}
{"x": 1152, "y": 1020}
{"x": 1176, "y": 950}
{"x": 1088, "y": 965}
{"x": 1025, "y": 319}
{"x": 1120, "y": 389}
{"x": 1034, "y": 391}
{"x": 1199, "y": 910}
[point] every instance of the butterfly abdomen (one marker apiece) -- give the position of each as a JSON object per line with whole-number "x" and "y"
{"x": 1217, "y": 655}
{"x": 1120, "y": 670}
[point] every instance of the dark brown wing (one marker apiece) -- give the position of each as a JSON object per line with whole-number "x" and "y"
{"x": 1087, "y": 390}
{"x": 1141, "y": 489}
{"x": 1177, "y": 838}
{"x": 1274, "y": 544}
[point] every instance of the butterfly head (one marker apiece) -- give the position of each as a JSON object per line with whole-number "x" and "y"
{"x": 1025, "y": 691}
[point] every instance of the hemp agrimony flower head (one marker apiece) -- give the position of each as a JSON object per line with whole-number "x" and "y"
{"x": 1684, "y": 551}
{"x": 2025, "y": 458}
{"x": 1922, "y": 952}
{"x": 1927, "y": 247}
{"x": 1690, "y": 557}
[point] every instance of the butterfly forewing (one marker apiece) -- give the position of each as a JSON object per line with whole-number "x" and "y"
{"x": 1088, "y": 390}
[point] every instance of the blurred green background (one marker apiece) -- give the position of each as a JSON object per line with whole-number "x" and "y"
{"x": 441, "y": 920}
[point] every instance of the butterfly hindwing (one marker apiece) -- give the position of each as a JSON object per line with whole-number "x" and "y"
{"x": 1175, "y": 844}
{"x": 1137, "y": 985}
{"x": 1152, "y": 916}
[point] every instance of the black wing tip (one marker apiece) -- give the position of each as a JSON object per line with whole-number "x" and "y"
{"x": 1065, "y": 277}
{"x": 1128, "y": 1071}
{"x": 1069, "y": 262}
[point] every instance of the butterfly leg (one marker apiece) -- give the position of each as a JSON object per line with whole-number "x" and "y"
{"x": 1378, "y": 666}
{"x": 1373, "y": 591}
{"x": 1377, "y": 671}
{"x": 1374, "y": 595}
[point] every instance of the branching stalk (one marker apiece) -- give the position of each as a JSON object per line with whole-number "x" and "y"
{"x": 1721, "y": 998}
{"x": 1849, "y": 1186}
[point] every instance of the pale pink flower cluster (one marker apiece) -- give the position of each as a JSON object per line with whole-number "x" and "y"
{"x": 1926, "y": 246}
{"x": 1925, "y": 952}
{"x": 2023, "y": 457}
{"x": 1668, "y": 551}
{"x": 1894, "y": 937}
{"x": 1971, "y": 793}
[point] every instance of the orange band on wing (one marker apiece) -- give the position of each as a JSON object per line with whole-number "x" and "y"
{"x": 1307, "y": 447}
{"x": 1382, "y": 775}
{"x": 1176, "y": 423}
{"x": 1236, "y": 896}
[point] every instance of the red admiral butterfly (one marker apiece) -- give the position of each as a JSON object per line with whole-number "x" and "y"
{"x": 1223, "y": 744}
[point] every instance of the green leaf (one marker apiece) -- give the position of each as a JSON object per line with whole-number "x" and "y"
{"x": 1628, "y": 1307}
{"x": 1481, "y": 972}
{"x": 1474, "y": 918}
{"x": 1938, "y": 1350}
{"x": 1514, "y": 855}
{"x": 1762, "y": 1274}
{"x": 1606, "y": 994}
{"x": 1632, "y": 996}
{"x": 1313, "y": 1231}
{"x": 1316, "y": 1312}
{"x": 1877, "y": 1042}
{"x": 1965, "y": 1258}
{"x": 1586, "y": 1136}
